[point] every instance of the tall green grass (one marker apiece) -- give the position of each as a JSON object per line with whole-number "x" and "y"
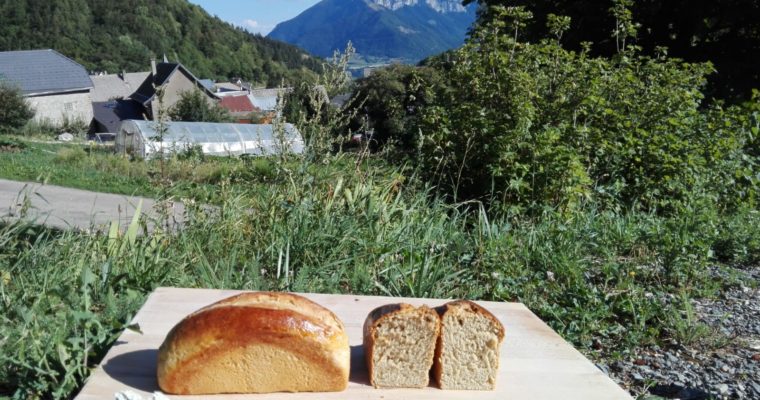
{"x": 605, "y": 280}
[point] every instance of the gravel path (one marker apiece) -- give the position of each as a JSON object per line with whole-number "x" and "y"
{"x": 727, "y": 367}
{"x": 66, "y": 208}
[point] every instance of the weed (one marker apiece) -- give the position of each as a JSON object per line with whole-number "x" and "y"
{"x": 70, "y": 155}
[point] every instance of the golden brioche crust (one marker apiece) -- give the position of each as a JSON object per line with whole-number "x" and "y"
{"x": 210, "y": 351}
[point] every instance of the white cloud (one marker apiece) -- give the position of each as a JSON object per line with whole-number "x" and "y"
{"x": 256, "y": 26}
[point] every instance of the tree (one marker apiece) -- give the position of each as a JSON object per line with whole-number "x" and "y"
{"x": 193, "y": 106}
{"x": 14, "y": 111}
{"x": 392, "y": 99}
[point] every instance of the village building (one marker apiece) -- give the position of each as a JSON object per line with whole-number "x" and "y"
{"x": 266, "y": 99}
{"x": 107, "y": 87}
{"x": 56, "y": 87}
{"x": 241, "y": 109}
{"x": 173, "y": 80}
{"x": 111, "y": 103}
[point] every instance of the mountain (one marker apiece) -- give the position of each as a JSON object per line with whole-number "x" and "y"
{"x": 116, "y": 35}
{"x": 405, "y": 29}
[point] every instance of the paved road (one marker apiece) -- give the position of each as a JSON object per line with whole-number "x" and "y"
{"x": 66, "y": 208}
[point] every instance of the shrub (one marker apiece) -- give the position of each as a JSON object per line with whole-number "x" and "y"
{"x": 71, "y": 155}
{"x": 391, "y": 100}
{"x": 533, "y": 125}
{"x": 14, "y": 111}
{"x": 194, "y": 106}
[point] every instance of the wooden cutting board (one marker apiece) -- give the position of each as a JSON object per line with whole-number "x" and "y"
{"x": 536, "y": 363}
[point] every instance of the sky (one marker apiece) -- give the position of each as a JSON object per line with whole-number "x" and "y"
{"x": 258, "y": 16}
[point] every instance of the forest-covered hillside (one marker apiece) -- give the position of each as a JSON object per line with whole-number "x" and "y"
{"x": 110, "y": 35}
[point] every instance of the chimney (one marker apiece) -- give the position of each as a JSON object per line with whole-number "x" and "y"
{"x": 153, "y": 66}
{"x": 123, "y": 74}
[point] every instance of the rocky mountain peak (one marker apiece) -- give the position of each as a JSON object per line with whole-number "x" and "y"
{"x": 441, "y": 6}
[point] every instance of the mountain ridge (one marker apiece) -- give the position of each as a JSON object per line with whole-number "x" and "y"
{"x": 394, "y": 29}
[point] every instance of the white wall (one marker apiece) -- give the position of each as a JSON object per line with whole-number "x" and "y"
{"x": 55, "y": 109}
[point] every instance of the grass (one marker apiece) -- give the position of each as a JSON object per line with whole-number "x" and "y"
{"x": 96, "y": 168}
{"x": 71, "y": 165}
{"x": 602, "y": 279}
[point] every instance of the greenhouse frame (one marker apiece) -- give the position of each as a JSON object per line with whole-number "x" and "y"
{"x": 141, "y": 139}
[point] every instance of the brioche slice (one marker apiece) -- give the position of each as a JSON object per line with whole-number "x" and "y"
{"x": 256, "y": 343}
{"x": 399, "y": 345}
{"x": 467, "y": 353}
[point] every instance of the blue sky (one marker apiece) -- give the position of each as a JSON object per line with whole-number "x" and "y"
{"x": 258, "y": 16}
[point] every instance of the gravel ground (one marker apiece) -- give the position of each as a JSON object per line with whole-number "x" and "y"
{"x": 726, "y": 367}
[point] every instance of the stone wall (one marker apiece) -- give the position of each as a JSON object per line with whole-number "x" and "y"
{"x": 55, "y": 109}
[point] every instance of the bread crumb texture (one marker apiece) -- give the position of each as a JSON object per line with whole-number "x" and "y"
{"x": 467, "y": 354}
{"x": 399, "y": 345}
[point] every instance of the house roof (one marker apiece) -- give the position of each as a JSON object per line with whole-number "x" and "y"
{"x": 207, "y": 83}
{"x": 237, "y": 104}
{"x": 111, "y": 113}
{"x": 38, "y": 72}
{"x": 266, "y": 99}
{"x": 164, "y": 71}
{"x": 228, "y": 87}
{"x": 116, "y": 86}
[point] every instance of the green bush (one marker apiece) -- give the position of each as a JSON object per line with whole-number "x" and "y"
{"x": 71, "y": 155}
{"x": 193, "y": 106}
{"x": 523, "y": 126}
{"x": 14, "y": 111}
{"x": 391, "y": 100}
{"x": 530, "y": 125}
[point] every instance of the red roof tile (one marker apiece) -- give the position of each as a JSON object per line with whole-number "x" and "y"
{"x": 237, "y": 104}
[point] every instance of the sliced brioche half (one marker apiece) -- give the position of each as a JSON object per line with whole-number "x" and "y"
{"x": 399, "y": 345}
{"x": 467, "y": 353}
{"x": 256, "y": 343}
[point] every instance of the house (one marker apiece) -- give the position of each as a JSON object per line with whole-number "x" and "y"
{"x": 207, "y": 83}
{"x": 56, "y": 87}
{"x": 240, "y": 108}
{"x": 222, "y": 87}
{"x": 174, "y": 80}
{"x": 266, "y": 99}
{"x": 108, "y": 115}
{"x": 109, "y": 87}
{"x": 111, "y": 103}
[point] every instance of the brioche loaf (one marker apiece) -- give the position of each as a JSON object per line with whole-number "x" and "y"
{"x": 256, "y": 343}
{"x": 467, "y": 353}
{"x": 399, "y": 345}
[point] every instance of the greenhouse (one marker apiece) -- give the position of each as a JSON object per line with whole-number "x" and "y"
{"x": 141, "y": 138}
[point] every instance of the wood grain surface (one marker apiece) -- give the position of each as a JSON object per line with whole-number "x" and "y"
{"x": 536, "y": 363}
